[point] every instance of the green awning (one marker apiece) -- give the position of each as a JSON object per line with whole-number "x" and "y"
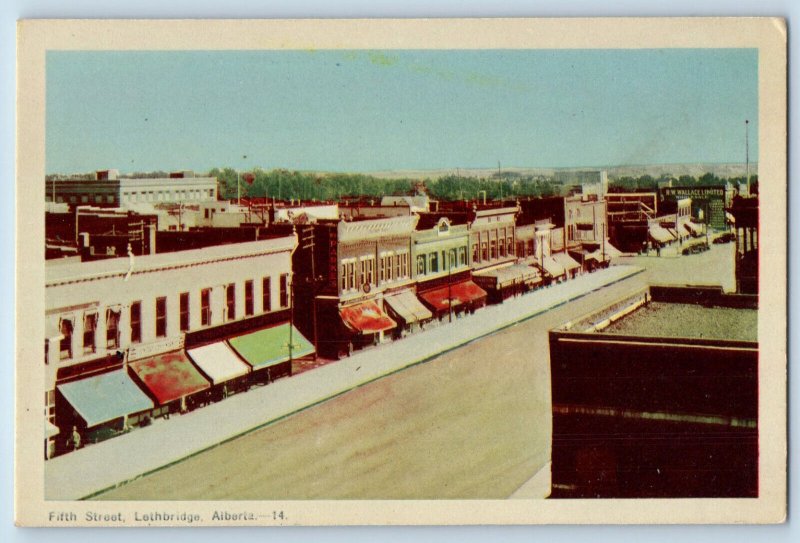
{"x": 270, "y": 346}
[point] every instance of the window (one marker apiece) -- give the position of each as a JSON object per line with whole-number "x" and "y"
{"x": 161, "y": 316}
{"x": 462, "y": 256}
{"x": 248, "y": 298}
{"x": 205, "y": 307}
{"x": 521, "y": 248}
{"x": 398, "y": 272}
{"x": 110, "y": 199}
{"x": 404, "y": 264}
{"x": 387, "y": 265}
{"x": 65, "y": 347}
{"x": 367, "y": 271}
{"x": 230, "y": 301}
{"x": 84, "y": 199}
{"x": 451, "y": 260}
{"x": 382, "y": 270}
{"x": 434, "y": 262}
{"x": 284, "y": 290}
{"x": 349, "y": 281}
{"x": 184, "y": 311}
{"x": 112, "y": 329}
{"x": 493, "y": 249}
{"x": 510, "y": 245}
{"x": 89, "y": 326}
{"x": 266, "y": 294}
{"x": 475, "y": 252}
{"x": 484, "y": 250}
{"x": 98, "y": 199}
{"x": 502, "y": 246}
{"x": 136, "y": 322}
{"x": 421, "y": 265}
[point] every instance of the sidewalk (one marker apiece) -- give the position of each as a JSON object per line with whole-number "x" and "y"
{"x": 105, "y": 465}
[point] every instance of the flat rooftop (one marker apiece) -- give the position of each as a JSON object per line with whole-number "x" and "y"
{"x": 662, "y": 319}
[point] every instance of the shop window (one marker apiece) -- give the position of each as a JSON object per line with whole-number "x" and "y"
{"x": 284, "y": 290}
{"x": 161, "y": 316}
{"x": 184, "y": 311}
{"x": 230, "y": 301}
{"x": 205, "y": 307}
{"x": 266, "y": 294}
{"x": 248, "y": 298}
{"x": 136, "y": 322}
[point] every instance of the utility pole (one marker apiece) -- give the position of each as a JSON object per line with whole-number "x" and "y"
{"x": 747, "y": 152}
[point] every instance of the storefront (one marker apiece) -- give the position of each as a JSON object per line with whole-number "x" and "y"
{"x": 407, "y": 310}
{"x": 461, "y": 297}
{"x": 270, "y": 351}
{"x": 559, "y": 267}
{"x": 503, "y": 283}
{"x": 101, "y": 406}
{"x": 222, "y": 366}
{"x": 172, "y": 380}
{"x": 366, "y": 323}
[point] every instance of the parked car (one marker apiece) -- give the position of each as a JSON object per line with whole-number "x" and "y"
{"x": 725, "y": 237}
{"x": 695, "y": 248}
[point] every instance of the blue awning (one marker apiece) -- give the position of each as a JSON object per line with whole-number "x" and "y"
{"x": 105, "y": 397}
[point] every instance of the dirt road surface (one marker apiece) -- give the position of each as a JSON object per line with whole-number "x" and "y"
{"x": 472, "y": 423}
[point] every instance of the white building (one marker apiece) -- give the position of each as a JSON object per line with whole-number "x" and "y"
{"x": 135, "y": 307}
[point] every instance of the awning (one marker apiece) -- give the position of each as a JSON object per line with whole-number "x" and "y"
{"x": 270, "y": 346}
{"x": 694, "y": 228}
{"x": 408, "y": 307}
{"x": 50, "y": 429}
{"x": 514, "y": 274}
{"x": 218, "y": 362}
{"x": 552, "y": 267}
{"x": 611, "y": 251}
{"x": 660, "y": 234}
{"x": 455, "y": 295}
{"x": 366, "y": 317}
{"x": 170, "y": 376}
{"x": 105, "y": 397}
{"x": 566, "y": 261}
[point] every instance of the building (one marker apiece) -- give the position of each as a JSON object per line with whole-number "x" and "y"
{"x": 656, "y": 396}
{"x": 345, "y": 273}
{"x": 592, "y": 182}
{"x": 744, "y": 212}
{"x": 441, "y": 267}
{"x": 630, "y": 215}
{"x": 128, "y": 339}
{"x": 586, "y": 231}
{"x": 708, "y": 203}
{"x": 107, "y": 189}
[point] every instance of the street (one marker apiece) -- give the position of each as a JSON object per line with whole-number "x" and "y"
{"x": 472, "y": 423}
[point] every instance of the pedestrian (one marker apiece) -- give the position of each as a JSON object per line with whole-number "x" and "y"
{"x": 74, "y": 441}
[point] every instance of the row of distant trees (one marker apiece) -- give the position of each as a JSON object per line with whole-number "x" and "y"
{"x": 648, "y": 182}
{"x": 291, "y": 184}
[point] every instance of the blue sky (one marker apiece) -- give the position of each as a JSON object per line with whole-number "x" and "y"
{"x": 383, "y": 110}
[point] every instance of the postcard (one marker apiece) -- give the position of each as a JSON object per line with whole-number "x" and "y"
{"x": 356, "y": 272}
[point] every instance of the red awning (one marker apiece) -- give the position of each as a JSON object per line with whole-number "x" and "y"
{"x": 455, "y": 295}
{"x": 169, "y": 376}
{"x": 366, "y": 317}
